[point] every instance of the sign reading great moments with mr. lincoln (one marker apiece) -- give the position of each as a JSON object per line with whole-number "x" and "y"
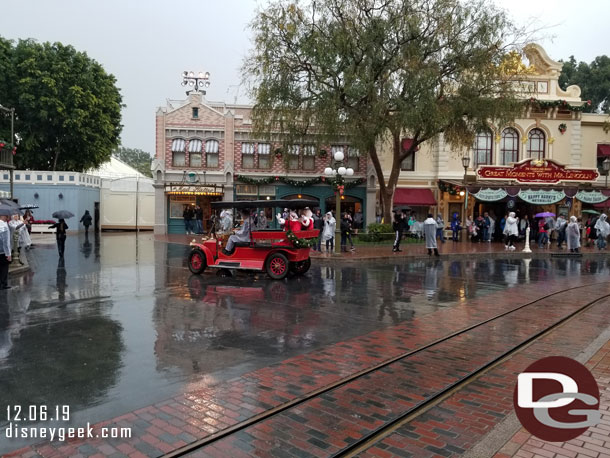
{"x": 544, "y": 171}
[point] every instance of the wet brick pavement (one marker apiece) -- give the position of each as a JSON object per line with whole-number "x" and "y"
{"x": 177, "y": 421}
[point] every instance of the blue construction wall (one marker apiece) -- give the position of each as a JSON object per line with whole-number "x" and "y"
{"x": 75, "y": 198}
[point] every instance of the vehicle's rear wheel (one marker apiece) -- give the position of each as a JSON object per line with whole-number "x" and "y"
{"x": 277, "y": 266}
{"x": 197, "y": 261}
{"x": 299, "y": 268}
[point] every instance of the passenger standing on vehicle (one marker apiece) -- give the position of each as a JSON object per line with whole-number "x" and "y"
{"x": 318, "y": 223}
{"x": 60, "y": 235}
{"x": 399, "y": 226}
{"x": 573, "y": 235}
{"x": 328, "y": 235}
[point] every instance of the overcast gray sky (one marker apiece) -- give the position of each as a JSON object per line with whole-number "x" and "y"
{"x": 147, "y": 44}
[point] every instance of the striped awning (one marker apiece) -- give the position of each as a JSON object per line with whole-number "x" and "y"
{"x": 195, "y": 146}
{"x": 178, "y": 145}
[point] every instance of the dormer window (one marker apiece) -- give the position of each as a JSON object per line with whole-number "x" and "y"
{"x": 195, "y": 113}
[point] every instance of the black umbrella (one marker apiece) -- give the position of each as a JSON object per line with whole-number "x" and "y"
{"x": 28, "y": 207}
{"x": 6, "y": 210}
{"x": 12, "y": 205}
{"x": 63, "y": 214}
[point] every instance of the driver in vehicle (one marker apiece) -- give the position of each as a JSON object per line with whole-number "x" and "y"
{"x": 242, "y": 235}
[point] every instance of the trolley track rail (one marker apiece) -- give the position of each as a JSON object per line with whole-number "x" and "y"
{"x": 418, "y": 409}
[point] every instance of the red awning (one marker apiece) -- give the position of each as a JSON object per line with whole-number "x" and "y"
{"x": 414, "y": 197}
{"x": 603, "y": 150}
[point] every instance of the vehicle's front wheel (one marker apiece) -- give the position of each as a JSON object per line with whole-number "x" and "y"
{"x": 197, "y": 261}
{"x": 299, "y": 268}
{"x": 277, "y": 266}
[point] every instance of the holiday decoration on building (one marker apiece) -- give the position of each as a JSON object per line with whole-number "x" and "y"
{"x": 334, "y": 181}
{"x": 564, "y": 104}
{"x": 322, "y": 153}
{"x": 279, "y": 152}
{"x": 448, "y": 188}
{"x": 562, "y": 128}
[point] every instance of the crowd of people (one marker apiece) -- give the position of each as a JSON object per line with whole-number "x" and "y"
{"x": 291, "y": 220}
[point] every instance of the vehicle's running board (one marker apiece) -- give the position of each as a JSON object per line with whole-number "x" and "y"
{"x": 226, "y": 264}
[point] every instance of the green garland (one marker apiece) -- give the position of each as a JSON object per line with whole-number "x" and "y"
{"x": 299, "y": 243}
{"x": 333, "y": 181}
{"x": 558, "y": 103}
{"x": 449, "y": 188}
{"x": 8, "y": 147}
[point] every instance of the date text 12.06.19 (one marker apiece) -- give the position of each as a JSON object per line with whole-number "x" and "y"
{"x": 37, "y": 413}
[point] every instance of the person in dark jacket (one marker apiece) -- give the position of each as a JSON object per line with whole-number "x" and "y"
{"x": 399, "y": 226}
{"x": 346, "y": 232}
{"x": 318, "y": 223}
{"x": 60, "y": 235}
{"x": 86, "y": 220}
{"x": 188, "y": 215}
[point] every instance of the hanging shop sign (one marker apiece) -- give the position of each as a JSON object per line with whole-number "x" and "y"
{"x": 541, "y": 196}
{"x": 490, "y": 195}
{"x": 591, "y": 197}
{"x": 537, "y": 171}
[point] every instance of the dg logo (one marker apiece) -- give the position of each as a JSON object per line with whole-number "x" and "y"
{"x": 556, "y": 399}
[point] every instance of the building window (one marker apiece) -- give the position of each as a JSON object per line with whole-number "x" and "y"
{"x": 71, "y": 178}
{"x": 247, "y": 155}
{"x": 39, "y": 177}
{"x": 61, "y": 177}
{"x": 195, "y": 113}
{"x": 5, "y": 176}
{"x": 536, "y": 144}
{"x": 195, "y": 153}
{"x": 17, "y": 176}
{"x": 178, "y": 152}
{"x": 49, "y": 177}
{"x": 264, "y": 156}
{"x": 27, "y": 178}
{"x": 509, "y": 146}
{"x": 482, "y": 148}
{"x": 408, "y": 163}
{"x": 309, "y": 157}
{"x": 211, "y": 153}
{"x": 293, "y": 157}
{"x": 353, "y": 158}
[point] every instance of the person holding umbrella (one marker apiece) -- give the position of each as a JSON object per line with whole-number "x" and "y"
{"x": 60, "y": 229}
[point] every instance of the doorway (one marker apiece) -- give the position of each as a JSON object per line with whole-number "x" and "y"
{"x": 96, "y": 216}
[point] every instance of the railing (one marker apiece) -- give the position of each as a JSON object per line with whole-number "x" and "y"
{"x": 6, "y": 160}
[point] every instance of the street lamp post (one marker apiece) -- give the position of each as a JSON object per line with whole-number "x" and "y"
{"x": 465, "y": 164}
{"x": 12, "y": 112}
{"x": 339, "y": 172}
{"x": 606, "y": 167}
{"x": 198, "y": 82}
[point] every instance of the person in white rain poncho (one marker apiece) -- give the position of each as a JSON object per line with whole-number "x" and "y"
{"x": 328, "y": 234}
{"x": 430, "y": 234}
{"x": 573, "y": 235}
{"x": 511, "y": 230}
{"x": 226, "y": 220}
{"x": 603, "y": 230}
{"x": 21, "y": 237}
{"x": 5, "y": 251}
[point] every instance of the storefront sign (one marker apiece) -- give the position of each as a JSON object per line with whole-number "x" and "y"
{"x": 490, "y": 195}
{"x": 537, "y": 171}
{"x": 541, "y": 196}
{"x": 591, "y": 197}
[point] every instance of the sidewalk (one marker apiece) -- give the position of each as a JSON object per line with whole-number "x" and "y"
{"x": 448, "y": 249}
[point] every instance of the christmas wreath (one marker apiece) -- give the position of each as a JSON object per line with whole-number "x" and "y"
{"x": 322, "y": 153}
{"x": 299, "y": 243}
{"x": 562, "y": 128}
